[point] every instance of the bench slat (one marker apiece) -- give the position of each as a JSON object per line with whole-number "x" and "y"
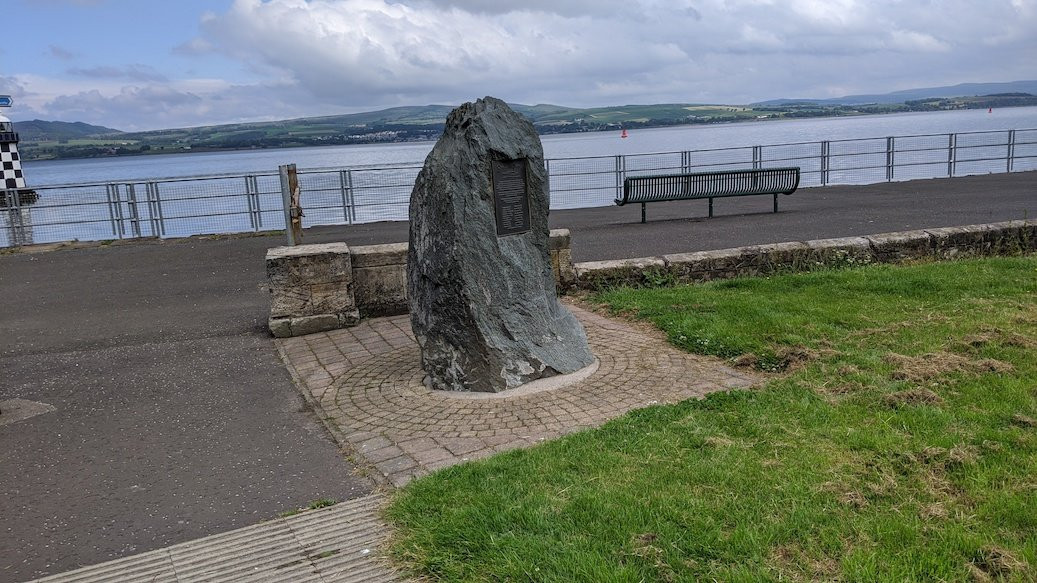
{"x": 643, "y": 189}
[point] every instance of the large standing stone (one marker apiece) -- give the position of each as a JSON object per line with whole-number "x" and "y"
{"x": 480, "y": 287}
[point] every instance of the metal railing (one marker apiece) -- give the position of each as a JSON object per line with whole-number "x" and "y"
{"x": 177, "y": 207}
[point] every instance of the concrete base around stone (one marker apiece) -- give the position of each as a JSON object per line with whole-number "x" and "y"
{"x": 546, "y": 384}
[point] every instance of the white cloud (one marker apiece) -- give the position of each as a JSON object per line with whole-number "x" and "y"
{"x": 376, "y": 52}
{"x": 315, "y": 57}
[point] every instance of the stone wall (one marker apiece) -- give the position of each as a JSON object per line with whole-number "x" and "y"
{"x": 323, "y": 287}
{"x": 943, "y": 243}
{"x": 380, "y": 277}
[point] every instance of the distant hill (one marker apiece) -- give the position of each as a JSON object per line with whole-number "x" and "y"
{"x": 38, "y": 130}
{"x": 46, "y": 140}
{"x": 397, "y": 124}
{"x": 960, "y": 90}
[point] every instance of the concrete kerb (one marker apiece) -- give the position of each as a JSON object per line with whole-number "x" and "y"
{"x": 1005, "y": 238}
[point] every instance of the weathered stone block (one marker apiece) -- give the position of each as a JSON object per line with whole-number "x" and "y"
{"x": 779, "y": 257}
{"x": 380, "y": 279}
{"x": 745, "y": 261}
{"x": 964, "y": 241}
{"x": 602, "y": 274}
{"x": 306, "y": 264}
{"x": 379, "y": 255}
{"x": 1009, "y": 238}
{"x": 566, "y": 271}
{"x": 312, "y": 299}
{"x": 313, "y": 324}
{"x": 1028, "y": 234}
{"x": 842, "y": 251}
{"x": 381, "y": 291}
{"x": 312, "y": 289}
{"x": 902, "y": 246}
{"x": 559, "y": 239}
{"x": 280, "y": 327}
{"x": 480, "y": 283}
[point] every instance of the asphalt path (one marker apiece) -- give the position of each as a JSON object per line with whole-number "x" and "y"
{"x": 811, "y": 213}
{"x": 175, "y": 419}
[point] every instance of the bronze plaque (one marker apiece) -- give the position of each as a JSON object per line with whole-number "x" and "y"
{"x": 510, "y": 196}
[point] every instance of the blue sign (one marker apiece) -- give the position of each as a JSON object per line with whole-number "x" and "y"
{"x": 6, "y": 101}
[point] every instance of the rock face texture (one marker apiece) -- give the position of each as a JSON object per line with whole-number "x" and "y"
{"x": 479, "y": 280}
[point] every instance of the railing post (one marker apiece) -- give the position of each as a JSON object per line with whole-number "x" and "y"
{"x": 134, "y": 211}
{"x": 352, "y": 196}
{"x": 250, "y": 202}
{"x": 547, "y": 176}
{"x": 115, "y": 210}
{"x": 290, "y": 199}
{"x": 257, "y": 202}
{"x": 825, "y": 161}
{"x": 620, "y": 170}
{"x": 342, "y": 195}
{"x": 757, "y": 157}
{"x": 1011, "y": 151}
{"x": 952, "y": 147}
{"x": 686, "y": 162}
{"x": 13, "y": 209}
{"x": 890, "y": 145}
{"x": 158, "y": 226}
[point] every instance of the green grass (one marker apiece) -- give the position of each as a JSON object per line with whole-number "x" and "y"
{"x": 898, "y": 444}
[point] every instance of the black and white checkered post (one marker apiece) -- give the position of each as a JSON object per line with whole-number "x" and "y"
{"x": 11, "y": 166}
{"x": 10, "y": 162}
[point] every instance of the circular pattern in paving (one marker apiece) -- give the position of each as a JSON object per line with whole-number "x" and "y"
{"x": 385, "y": 393}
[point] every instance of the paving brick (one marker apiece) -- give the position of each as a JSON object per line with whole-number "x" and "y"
{"x": 369, "y": 380}
{"x": 396, "y": 465}
{"x": 383, "y": 454}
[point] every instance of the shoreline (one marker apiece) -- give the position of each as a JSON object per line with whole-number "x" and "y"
{"x": 575, "y": 130}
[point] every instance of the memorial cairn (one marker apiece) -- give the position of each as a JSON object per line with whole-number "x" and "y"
{"x": 480, "y": 287}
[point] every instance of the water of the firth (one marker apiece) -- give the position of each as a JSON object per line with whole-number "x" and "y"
{"x": 555, "y": 146}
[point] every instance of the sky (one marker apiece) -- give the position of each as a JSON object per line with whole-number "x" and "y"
{"x": 151, "y": 64}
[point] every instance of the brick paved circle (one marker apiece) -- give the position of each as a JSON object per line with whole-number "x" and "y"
{"x": 368, "y": 381}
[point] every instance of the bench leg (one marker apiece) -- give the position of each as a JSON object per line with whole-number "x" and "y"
{"x": 711, "y": 207}
{"x": 642, "y": 213}
{"x": 775, "y": 203}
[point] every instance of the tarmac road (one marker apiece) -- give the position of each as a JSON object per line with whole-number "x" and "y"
{"x": 810, "y": 213}
{"x": 175, "y": 418}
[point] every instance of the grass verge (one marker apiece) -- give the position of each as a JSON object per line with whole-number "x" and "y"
{"x": 899, "y": 442}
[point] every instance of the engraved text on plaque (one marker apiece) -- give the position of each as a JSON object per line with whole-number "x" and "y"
{"x": 510, "y": 197}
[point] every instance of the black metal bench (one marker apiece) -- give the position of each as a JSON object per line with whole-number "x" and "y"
{"x": 666, "y": 187}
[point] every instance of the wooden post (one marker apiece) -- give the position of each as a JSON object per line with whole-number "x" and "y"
{"x": 291, "y": 194}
